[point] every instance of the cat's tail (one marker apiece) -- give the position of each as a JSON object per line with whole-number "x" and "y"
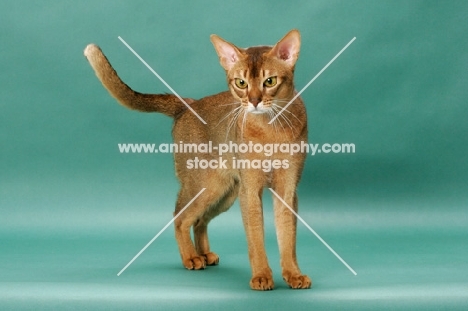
{"x": 167, "y": 104}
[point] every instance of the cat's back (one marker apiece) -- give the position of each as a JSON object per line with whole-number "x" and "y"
{"x": 215, "y": 110}
{"x": 211, "y": 105}
{"x": 210, "y": 108}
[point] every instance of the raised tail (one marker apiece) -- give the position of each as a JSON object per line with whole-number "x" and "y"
{"x": 167, "y": 104}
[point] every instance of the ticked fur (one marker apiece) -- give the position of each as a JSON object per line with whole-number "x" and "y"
{"x": 261, "y": 83}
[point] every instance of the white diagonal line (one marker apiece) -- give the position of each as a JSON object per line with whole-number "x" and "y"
{"x": 162, "y": 80}
{"x": 313, "y": 231}
{"x": 313, "y": 79}
{"x": 160, "y": 232}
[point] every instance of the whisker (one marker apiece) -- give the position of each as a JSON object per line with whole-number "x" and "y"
{"x": 288, "y": 121}
{"x": 282, "y": 100}
{"x": 286, "y": 110}
{"x": 277, "y": 119}
{"x": 271, "y": 114}
{"x": 228, "y": 114}
{"x": 233, "y": 121}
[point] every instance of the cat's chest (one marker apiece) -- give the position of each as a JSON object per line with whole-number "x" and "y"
{"x": 262, "y": 132}
{"x": 252, "y": 131}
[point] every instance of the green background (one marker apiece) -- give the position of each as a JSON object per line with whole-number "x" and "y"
{"x": 74, "y": 210}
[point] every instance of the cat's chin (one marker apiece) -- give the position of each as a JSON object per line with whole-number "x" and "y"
{"x": 260, "y": 109}
{"x": 257, "y": 111}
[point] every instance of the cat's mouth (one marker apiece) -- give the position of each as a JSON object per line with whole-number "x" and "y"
{"x": 259, "y": 109}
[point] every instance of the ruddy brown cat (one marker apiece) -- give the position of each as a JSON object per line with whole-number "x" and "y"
{"x": 260, "y": 81}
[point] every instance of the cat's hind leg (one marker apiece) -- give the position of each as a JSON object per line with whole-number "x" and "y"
{"x": 200, "y": 228}
{"x": 191, "y": 259}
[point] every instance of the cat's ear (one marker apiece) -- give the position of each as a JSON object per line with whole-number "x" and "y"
{"x": 228, "y": 53}
{"x": 287, "y": 49}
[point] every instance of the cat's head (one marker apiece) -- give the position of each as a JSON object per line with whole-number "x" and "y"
{"x": 262, "y": 76}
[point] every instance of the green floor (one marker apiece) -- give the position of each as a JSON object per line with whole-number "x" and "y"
{"x": 403, "y": 261}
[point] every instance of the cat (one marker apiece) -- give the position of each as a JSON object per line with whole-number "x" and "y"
{"x": 261, "y": 83}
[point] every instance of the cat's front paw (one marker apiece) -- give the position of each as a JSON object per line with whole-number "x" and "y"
{"x": 298, "y": 281}
{"x": 262, "y": 282}
{"x": 211, "y": 259}
{"x": 195, "y": 263}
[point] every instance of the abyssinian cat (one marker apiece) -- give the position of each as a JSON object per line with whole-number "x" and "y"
{"x": 260, "y": 81}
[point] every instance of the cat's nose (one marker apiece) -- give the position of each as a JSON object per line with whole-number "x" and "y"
{"x": 255, "y": 101}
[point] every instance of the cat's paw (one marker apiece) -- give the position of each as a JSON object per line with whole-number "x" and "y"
{"x": 195, "y": 263}
{"x": 211, "y": 259}
{"x": 298, "y": 281}
{"x": 262, "y": 282}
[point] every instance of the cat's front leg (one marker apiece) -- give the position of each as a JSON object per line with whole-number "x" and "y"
{"x": 252, "y": 216}
{"x": 284, "y": 185}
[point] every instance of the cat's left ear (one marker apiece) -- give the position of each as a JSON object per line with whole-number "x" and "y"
{"x": 287, "y": 49}
{"x": 228, "y": 53}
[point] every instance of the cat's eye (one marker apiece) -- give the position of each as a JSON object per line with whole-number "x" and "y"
{"x": 270, "y": 82}
{"x": 240, "y": 83}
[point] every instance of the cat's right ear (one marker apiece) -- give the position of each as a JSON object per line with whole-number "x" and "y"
{"x": 228, "y": 53}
